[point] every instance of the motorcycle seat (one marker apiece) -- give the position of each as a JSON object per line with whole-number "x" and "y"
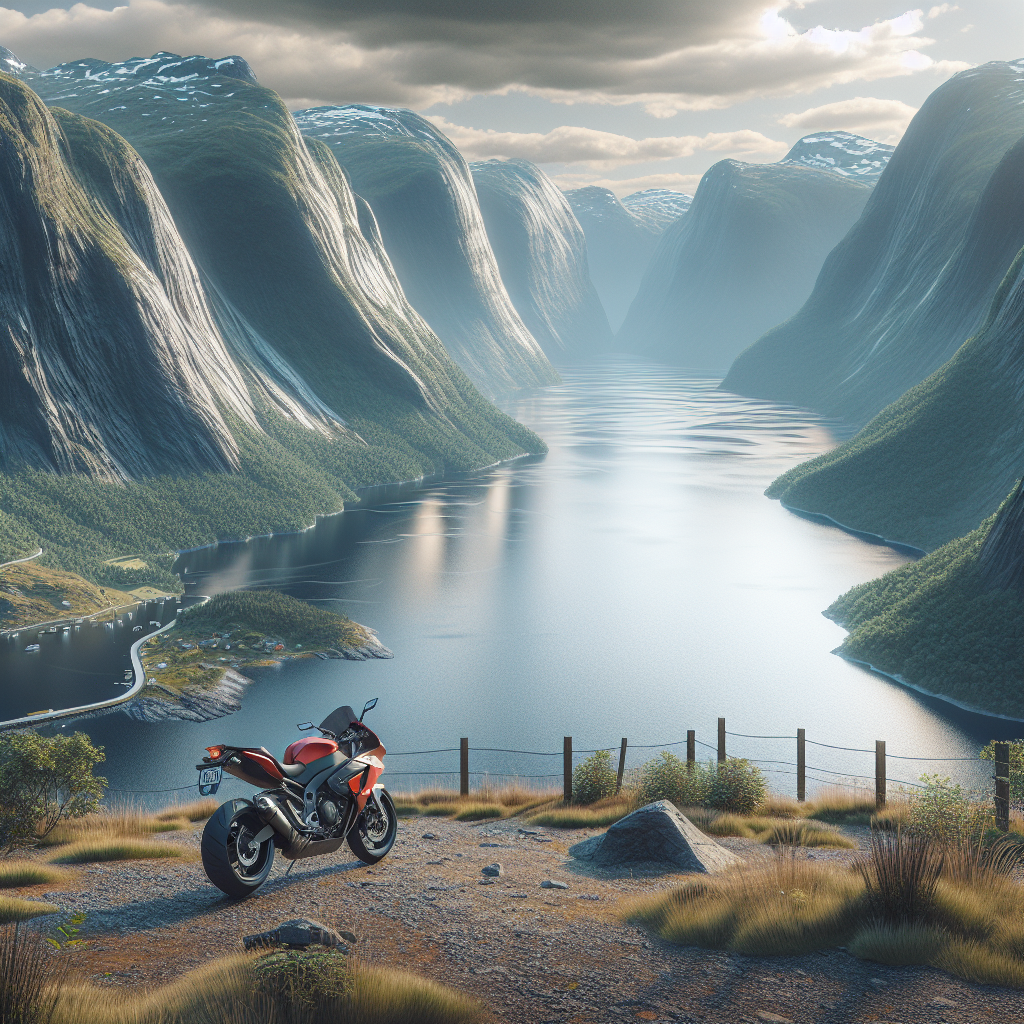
{"x": 291, "y": 771}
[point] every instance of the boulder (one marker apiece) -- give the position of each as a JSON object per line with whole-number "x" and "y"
{"x": 655, "y": 834}
{"x": 299, "y": 933}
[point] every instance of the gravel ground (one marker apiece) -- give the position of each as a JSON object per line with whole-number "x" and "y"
{"x": 533, "y": 954}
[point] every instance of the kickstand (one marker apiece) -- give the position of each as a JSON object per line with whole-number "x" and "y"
{"x": 289, "y": 871}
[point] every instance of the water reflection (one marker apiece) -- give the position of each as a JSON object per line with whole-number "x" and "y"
{"x": 634, "y": 581}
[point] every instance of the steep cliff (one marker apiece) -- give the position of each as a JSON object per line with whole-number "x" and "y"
{"x": 940, "y": 459}
{"x": 913, "y": 278}
{"x": 238, "y": 370}
{"x": 743, "y": 258}
{"x": 422, "y": 195}
{"x": 112, "y": 365}
{"x": 542, "y": 256}
{"x": 621, "y": 239}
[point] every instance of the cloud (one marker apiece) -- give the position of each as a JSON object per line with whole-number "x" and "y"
{"x": 627, "y": 186}
{"x": 669, "y": 55}
{"x": 600, "y": 150}
{"x": 881, "y": 120}
{"x": 942, "y": 9}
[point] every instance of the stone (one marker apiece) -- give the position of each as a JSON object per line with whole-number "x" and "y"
{"x": 493, "y": 870}
{"x": 299, "y": 933}
{"x": 942, "y": 1001}
{"x": 550, "y": 883}
{"x": 429, "y": 835}
{"x": 655, "y": 834}
{"x": 773, "y": 1017}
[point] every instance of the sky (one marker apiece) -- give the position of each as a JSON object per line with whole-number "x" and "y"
{"x": 626, "y": 94}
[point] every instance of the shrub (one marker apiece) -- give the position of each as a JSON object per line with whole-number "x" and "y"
{"x": 45, "y": 781}
{"x": 946, "y": 814}
{"x": 666, "y": 777}
{"x": 735, "y": 785}
{"x": 593, "y": 779}
{"x": 901, "y": 876}
{"x": 27, "y": 974}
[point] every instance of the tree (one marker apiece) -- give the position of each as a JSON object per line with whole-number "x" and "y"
{"x": 43, "y": 781}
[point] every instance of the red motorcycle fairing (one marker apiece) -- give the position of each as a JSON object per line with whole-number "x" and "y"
{"x": 309, "y": 749}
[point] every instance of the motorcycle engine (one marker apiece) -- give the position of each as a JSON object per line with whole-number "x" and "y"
{"x": 327, "y": 812}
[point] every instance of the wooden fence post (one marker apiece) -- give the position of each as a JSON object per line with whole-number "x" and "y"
{"x": 801, "y": 765}
{"x": 567, "y": 769}
{"x": 721, "y": 739}
{"x": 879, "y": 774}
{"x": 1002, "y": 774}
{"x": 691, "y": 748}
{"x": 622, "y": 766}
{"x": 464, "y": 766}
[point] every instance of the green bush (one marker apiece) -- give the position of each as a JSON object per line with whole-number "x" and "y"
{"x": 594, "y": 778}
{"x": 944, "y": 813}
{"x": 45, "y": 781}
{"x": 735, "y": 785}
{"x": 1016, "y": 766}
{"x": 666, "y": 777}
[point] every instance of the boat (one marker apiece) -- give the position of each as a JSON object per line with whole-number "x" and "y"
{"x": 32, "y": 648}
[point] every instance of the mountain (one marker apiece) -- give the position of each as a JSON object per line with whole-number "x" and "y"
{"x": 542, "y": 256}
{"x": 913, "y": 278}
{"x": 940, "y": 459}
{"x": 950, "y": 623}
{"x": 851, "y": 156}
{"x": 621, "y": 239}
{"x": 421, "y": 192}
{"x": 241, "y": 368}
{"x": 113, "y": 366}
{"x": 743, "y": 258}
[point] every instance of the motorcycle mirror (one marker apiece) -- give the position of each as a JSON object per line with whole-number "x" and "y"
{"x": 305, "y": 726}
{"x": 369, "y": 706}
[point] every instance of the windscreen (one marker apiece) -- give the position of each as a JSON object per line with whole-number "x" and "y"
{"x": 338, "y": 721}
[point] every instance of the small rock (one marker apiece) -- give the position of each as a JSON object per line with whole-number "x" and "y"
{"x": 435, "y": 861}
{"x": 550, "y": 883}
{"x": 542, "y": 839}
{"x": 517, "y": 896}
{"x": 942, "y": 1001}
{"x": 429, "y": 835}
{"x": 493, "y": 870}
{"x": 588, "y": 896}
{"x": 774, "y": 1017}
{"x": 877, "y": 982}
{"x": 486, "y": 881}
{"x": 490, "y": 844}
{"x": 527, "y": 832}
{"x": 299, "y": 933}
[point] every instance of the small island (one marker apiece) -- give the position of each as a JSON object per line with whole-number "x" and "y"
{"x": 193, "y": 670}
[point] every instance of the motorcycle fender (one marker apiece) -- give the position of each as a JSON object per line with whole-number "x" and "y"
{"x": 373, "y": 773}
{"x": 229, "y": 809}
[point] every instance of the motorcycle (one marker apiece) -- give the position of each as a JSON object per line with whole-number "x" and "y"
{"x": 324, "y": 793}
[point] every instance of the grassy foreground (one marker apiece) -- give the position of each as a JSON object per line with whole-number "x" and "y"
{"x": 912, "y": 901}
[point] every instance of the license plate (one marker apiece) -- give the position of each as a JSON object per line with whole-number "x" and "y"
{"x": 209, "y": 780}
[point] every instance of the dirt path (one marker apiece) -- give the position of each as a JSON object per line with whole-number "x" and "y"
{"x": 533, "y": 954}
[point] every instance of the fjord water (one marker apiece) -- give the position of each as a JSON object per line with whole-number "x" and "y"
{"x": 633, "y": 582}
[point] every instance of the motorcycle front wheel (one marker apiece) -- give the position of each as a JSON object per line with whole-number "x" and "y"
{"x": 374, "y": 832}
{"x": 236, "y": 865}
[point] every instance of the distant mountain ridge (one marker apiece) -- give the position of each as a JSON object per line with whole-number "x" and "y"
{"x": 914, "y": 277}
{"x": 851, "y": 156}
{"x": 744, "y": 258}
{"x": 422, "y": 195}
{"x": 542, "y": 254}
{"x": 622, "y": 238}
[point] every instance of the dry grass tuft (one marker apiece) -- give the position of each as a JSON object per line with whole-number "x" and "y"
{"x": 13, "y": 909}
{"x": 776, "y": 806}
{"x": 486, "y": 802}
{"x": 16, "y": 873}
{"x": 599, "y": 814}
{"x": 805, "y": 833}
{"x": 195, "y": 810}
{"x": 841, "y": 806}
{"x": 902, "y": 945}
{"x": 91, "y": 850}
{"x": 239, "y": 990}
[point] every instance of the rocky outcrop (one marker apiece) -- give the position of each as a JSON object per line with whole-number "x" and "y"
{"x": 655, "y": 834}
{"x": 1001, "y": 559}
{"x": 542, "y": 256}
{"x": 744, "y": 258}
{"x": 421, "y": 193}
{"x": 298, "y": 934}
{"x": 621, "y": 239}
{"x": 914, "y": 277}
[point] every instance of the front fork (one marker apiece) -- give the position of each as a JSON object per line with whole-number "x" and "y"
{"x": 373, "y": 798}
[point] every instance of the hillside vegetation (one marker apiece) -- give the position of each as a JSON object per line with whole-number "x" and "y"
{"x": 938, "y": 624}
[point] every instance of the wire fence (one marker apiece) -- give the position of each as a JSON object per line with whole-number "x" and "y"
{"x": 496, "y": 764}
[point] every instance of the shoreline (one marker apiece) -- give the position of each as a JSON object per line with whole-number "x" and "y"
{"x": 864, "y": 535}
{"x": 920, "y": 689}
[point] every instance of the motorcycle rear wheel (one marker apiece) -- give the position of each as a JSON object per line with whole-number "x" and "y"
{"x": 374, "y": 833}
{"x": 233, "y": 865}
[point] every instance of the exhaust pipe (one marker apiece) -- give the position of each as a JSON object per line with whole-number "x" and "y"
{"x": 293, "y": 843}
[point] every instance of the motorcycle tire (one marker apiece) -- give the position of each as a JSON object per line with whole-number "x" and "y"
{"x": 372, "y": 836}
{"x": 231, "y": 863}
